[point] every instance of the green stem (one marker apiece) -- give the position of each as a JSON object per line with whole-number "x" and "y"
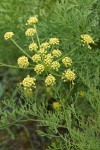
{"x": 55, "y": 74}
{"x": 28, "y": 135}
{"x": 21, "y": 49}
{"x": 11, "y": 66}
{"x": 31, "y": 120}
{"x": 37, "y": 36}
{"x": 15, "y": 122}
{"x": 5, "y": 65}
{"x": 32, "y": 40}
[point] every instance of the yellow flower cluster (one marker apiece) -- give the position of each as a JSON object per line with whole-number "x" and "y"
{"x": 55, "y": 65}
{"x": 23, "y": 62}
{"x": 81, "y": 93}
{"x": 54, "y": 41}
{"x": 8, "y": 35}
{"x": 87, "y": 40}
{"x": 68, "y": 75}
{"x": 56, "y": 53}
{"x": 48, "y": 59}
{"x": 56, "y": 105}
{"x": 45, "y": 45}
{"x": 50, "y": 80}
{"x": 42, "y": 51}
{"x": 28, "y": 83}
{"x": 36, "y": 58}
{"x": 30, "y": 32}
{"x": 67, "y": 61}
{"x": 32, "y": 20}
{"x": 33, "y": 46}
{"x": 39, "y": 68}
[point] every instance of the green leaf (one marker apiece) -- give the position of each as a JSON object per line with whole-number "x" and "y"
{"x": 1, "y": 90}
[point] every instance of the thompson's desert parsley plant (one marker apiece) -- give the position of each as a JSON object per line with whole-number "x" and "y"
{"x": 51, "y": 73}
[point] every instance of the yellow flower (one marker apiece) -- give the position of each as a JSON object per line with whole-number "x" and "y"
{"x": 8, "y": 35}
{"x": 23, "y": 62}
{"x": 81, "y": 93}
{"x": 55, "y": 65}
{"x": 33, "y": 46}
{"x": 48, "y": 59}
{"x": 50, "y": 80}
{"x": 28, "y": 83}
{"x": 39, "y": 68}
{"x": 67, "y": 61}
{"x": 45, "y": 45}
{"x": 30, "y": 32}
{"x": 32, "y": 20}
{"x": 68, "y": 75}
{"x": 36, "y": 58}
{"x": 56, "y": 53}
{"x": 56, "y": 105}
{"x": 42, "y": 51}
{"x": 54, "y": 41}
{"x": 87, "y": 40}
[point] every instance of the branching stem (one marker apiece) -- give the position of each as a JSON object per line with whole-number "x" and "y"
{"x": 21, "y": 49}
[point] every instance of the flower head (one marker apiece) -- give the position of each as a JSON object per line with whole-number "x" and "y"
{"x": 42, "y": 51}
{"x": 39, "y": 68}
{"x": 50, "y": 80}
{"x": 28, "y": 82}
{"x": 32, "y": 20}
{"x": 87, "y": 40}
{"x": 8, "y": 35}
{"x": 48, "y": 59}
{"x": 55, "y": 65}
{"x": 23, "y": 62}
{"x": 56, "y": 53}
{"x": 33, "y": 46}
{"x": 45, "y": 45}
{"x": 67, "y": 61}
{"x": 81, "y": 93}
{"x": 68, "y": 75}
{"x": 36, "y": 58}
{"x": 30, "y": 32}
{"x": 56, "y": 105}
{"x": 54, "y": 41}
